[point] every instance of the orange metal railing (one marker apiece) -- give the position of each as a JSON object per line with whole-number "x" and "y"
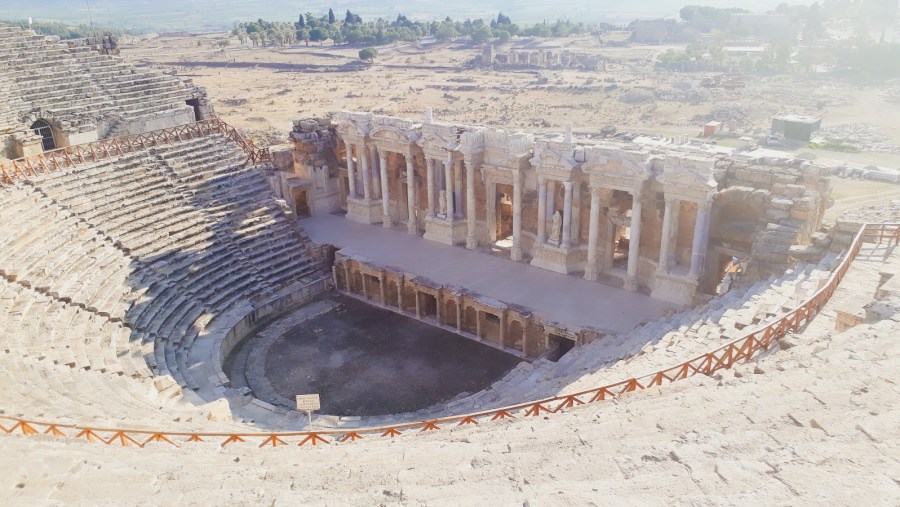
{"x": 744, "y": 348}
{"x": 72, "y": 156}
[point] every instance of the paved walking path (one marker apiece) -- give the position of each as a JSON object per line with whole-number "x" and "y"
{"x": 568, "y": 300}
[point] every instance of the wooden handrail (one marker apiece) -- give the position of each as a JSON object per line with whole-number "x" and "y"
{"x": 72, "y": 156}
{"x": 744, "y": 348}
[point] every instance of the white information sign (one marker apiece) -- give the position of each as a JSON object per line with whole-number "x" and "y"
{"x": 308, "y": 402}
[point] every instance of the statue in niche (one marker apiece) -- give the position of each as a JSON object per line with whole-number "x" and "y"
{"x": 442, "y": 202}
{"x": 556, "y": 226}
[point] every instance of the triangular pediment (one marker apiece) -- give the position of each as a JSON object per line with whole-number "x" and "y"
{"x": 619, "y": 168}
{"x": 390, "y": 135}
{"x": 688, "y": 178}
{"x": 433, "y": 140}
{"x": 553, "y": 159}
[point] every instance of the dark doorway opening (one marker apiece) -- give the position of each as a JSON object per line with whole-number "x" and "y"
{"x": 559, "y": 346}
{"x": 43, "y": 129}
{"x": 195, "y": 103}
{"x": 301, "y": 204}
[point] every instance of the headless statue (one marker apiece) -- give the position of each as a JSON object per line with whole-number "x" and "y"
{"x": 556, "y": 226}
{"x": 442, "y": 202}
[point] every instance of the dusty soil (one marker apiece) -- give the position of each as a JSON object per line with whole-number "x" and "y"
{"x": 263, "y": 90}
{"x": 366, "y": 361}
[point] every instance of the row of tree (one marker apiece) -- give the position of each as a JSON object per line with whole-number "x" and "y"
{"x": 69, "y": 31}
{"x": 351, "y": 29}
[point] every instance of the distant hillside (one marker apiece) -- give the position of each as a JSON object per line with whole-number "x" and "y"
{"x": 199, "y": 15}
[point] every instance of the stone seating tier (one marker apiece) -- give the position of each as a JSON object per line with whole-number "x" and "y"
{"x": 80, "y": 88}
{"x": 649, "y": 347}
{"x": 120, "y": 265}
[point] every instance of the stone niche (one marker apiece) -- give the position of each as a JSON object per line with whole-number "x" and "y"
{"x": 655, "y": 219}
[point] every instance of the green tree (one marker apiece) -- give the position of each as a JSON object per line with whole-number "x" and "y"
{"x": 330, "y": 17}
{"x": 368, "y": 54}
{"x": 482, "y": 33}
{"x": 318, "y": 34}
{"x": 444, "y": 32}
{"x": 304, "y": 36}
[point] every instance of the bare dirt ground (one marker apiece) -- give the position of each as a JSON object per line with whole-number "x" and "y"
{"x": 263, "y": 90}
{"x": 373, "y": 361}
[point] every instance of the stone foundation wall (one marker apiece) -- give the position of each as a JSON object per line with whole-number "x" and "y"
{"x": 512, "y": 328}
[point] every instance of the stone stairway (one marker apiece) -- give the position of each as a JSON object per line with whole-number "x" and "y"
{"x": 813, "y": 424}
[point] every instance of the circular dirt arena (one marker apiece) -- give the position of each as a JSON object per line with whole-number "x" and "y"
{"x": 365, "y": 361}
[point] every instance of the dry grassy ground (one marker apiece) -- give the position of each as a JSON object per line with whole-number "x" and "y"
{"x": 262, "y": 90}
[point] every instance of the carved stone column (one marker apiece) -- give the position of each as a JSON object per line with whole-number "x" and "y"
{"x": 386, "y": 220}
{"x": 429, "y": 163}
{"x": 351, "y": 173}
{"x": 609, "y": 233}
{"x": 542, "y": 212}
{"x": 701, "y": 233}
{"x": 665, "y": 245}
{"x": 376, "y": 178}
{"x": 411, "y": 224}
{"x": 575, "y": 228}
{"x": 471, "y": 238}
{"x": 448, "y": 186}
{"x": 366, "y": 177}
{"x": 516, "y": 252}
{"x": 567, "y": 215}
{"x": 590, "y": 271}
{"x": 551, "y": 199}
{"x": 631, "y": 281}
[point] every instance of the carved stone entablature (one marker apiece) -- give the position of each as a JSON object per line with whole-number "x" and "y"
{"x": 393, "y": 139}
{"x": 556, "y": 161}
{"x": 498, "y": 174}
{"x": 505, "y": 148}
{"x": 438, "y": 140}
{"x": 471, "y": 140}
{"x": 617, "y": 169}
{"x": 471, "y": 145}
{"x": 689, "y": 178}
{"x": 353, "y": 128}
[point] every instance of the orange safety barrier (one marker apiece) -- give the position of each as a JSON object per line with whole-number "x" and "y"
{"x": 744, "y": 348}
{"x": 71, "y": 156}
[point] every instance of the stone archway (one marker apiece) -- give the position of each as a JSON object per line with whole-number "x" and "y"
{"x": 516, "y": 335}
{"x": 470, "y": 320}
{"x": 42, "y": 128}
{"x": 449, "y": 315}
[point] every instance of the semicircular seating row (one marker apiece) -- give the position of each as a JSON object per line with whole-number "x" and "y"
{"x": 108, "y": 273}
{"x": 76, "y": 85}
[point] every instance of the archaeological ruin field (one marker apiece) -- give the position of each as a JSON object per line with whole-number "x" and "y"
{"x": 543, "y": 272}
